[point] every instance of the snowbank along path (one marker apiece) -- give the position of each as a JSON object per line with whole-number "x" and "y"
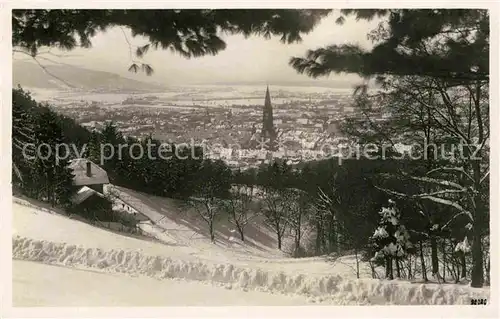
{"x": 51, "y": 238}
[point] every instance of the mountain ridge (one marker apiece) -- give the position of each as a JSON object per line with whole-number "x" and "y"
{"x": 64, "y": 76}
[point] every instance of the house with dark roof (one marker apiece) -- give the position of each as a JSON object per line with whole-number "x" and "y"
{"x": 92, "y": 204}
{"x": 88, "y": 190}
{"x": 87, "y": 173}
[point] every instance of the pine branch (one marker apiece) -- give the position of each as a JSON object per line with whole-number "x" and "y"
{"x": 456, "y": 169}
{"x": 139, "y": 52}
{"x": 435, "y": 181}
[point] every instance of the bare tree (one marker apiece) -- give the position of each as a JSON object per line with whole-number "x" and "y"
{"x": 208, "y": 209}
{"x": 276, "y": 207}
{"x": 239, "y": 208}
{"x": 209, "y": 192}
{"x": 325, "y": 207}
{"x": 299, "y": 208}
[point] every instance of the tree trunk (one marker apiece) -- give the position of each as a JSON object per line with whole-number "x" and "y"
{"x": 297, "y": 241}
{"x": 455, "y": 269}
{"x": 424, "y": 269}
{"x": 298, "y": 232}
{"x": 434, "y": 256}
{"x": 477, "y": 275}
{"x": 388, "y": 270}
{"x": 487, "y": 270}
{"x": 240, "y": 230}
{"x": 319, "y": 235}
{"x": 211, "y": 229}
{"x": 374, "y": 274}
{"x": 391, "y": 270}
{"x": 463, "y": 265}
{"x": 47, "y": 185}
{"x": 332, "y": 238}
{"x": 357, "y": 262}
{"x": 409, "y": 267}
{"x": 398, "y": 270}
{"x": 277, "y": 228}
{"x": 444, "y": 259}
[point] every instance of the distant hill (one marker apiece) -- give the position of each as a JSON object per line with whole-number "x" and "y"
{"x": 29, "y": 74}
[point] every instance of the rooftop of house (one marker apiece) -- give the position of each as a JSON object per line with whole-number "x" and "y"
{"x": 83, "y": 194}
{"x": 87, "y": 173}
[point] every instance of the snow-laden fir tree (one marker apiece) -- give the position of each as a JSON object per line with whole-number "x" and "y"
{"x": 391, "y": 240}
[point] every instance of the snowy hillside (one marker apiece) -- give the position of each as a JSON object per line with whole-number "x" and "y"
{"x": 177, "y": 223}
{"x": 186, "y": 261}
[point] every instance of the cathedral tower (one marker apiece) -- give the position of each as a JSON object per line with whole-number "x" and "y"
{"x": 268, "y": 131}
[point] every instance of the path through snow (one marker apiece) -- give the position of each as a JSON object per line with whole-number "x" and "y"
{"x": 36, "y": 284}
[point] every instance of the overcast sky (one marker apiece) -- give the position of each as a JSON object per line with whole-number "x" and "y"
{"x": 252, "y": 59}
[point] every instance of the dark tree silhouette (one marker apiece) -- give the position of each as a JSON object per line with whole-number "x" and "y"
{"x": 190, "y": 33}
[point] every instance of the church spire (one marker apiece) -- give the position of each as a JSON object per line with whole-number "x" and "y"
{"x": 267, "y": 120}
{"x": 268, "y": 99}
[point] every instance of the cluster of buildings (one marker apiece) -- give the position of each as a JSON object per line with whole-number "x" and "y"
{"x": 296, "y": 125}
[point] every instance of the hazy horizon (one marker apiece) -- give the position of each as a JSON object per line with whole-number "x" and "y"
{"x": 253, "y": 59}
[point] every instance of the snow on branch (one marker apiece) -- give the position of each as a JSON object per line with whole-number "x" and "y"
{"x": 391, "y": 192}
{"x": 449, "y": 203}
{"x": 484, "y": 177}
{"x": 432, "y": 198}
{"x": 437, "y": 181}
{"x": 441, "y": 192}
{"x": 325, "y": 198}
{"x": 456, "y": 169}
{"x": 17, "y": 172}
{"x": 456, "y": 215}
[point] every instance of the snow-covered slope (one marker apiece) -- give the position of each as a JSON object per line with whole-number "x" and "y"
{"x": 183, "y": 226}
{"x": 33, "y": 223}
{"x": 51, "y": 238}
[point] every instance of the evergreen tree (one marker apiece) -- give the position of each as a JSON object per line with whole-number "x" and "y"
{"x": 446, "y": 44}
{"x": 390, "y": 240}
{"x": 93, "y": 151}
{"x": 110, "y": 140}
{"x": 55, "y": 178}
{"x": 22, "y": 137}
{"x": 63, "y": 179}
